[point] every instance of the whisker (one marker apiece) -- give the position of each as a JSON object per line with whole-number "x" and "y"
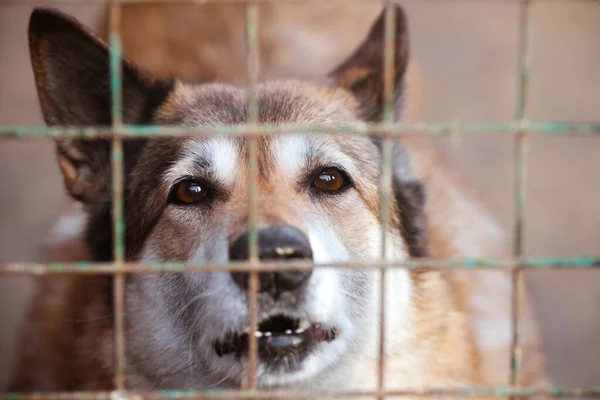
{"x": 351, "y": 295}
{"x": 190, "y": 354}
{"x": 195, "y": 299}
{"x": 161, "y": 378}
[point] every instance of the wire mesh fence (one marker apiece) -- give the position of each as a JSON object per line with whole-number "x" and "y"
{"x": 522, "y": 129}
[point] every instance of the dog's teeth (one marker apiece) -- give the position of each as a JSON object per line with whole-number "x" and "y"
{"x": 267, "y": 334}
{"x": 258, "y": 334}
{"x": 303, "y": 325}
{"x": 288, "y": 332}
{"x": 300, "y": 330}
{"x": 284, "y": 251}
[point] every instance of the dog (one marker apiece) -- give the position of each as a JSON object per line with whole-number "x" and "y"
{"x": 185, "y": 200}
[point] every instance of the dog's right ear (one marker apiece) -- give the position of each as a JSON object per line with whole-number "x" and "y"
{"x": 71, "y": 68}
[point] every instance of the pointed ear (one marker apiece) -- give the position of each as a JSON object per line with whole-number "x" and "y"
{"x": 362, "y": 73}
{"x": 71, "y": 69}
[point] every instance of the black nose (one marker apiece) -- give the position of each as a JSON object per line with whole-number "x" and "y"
{"x": 276, "y": 243}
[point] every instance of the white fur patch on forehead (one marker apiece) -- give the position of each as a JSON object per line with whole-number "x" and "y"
{"x": 219, "y": 156}
{"x": 293, "y": 152}
{"x": 224, "y": 156}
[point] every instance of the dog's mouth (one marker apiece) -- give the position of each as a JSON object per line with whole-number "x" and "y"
{"x": 278, "y": 336}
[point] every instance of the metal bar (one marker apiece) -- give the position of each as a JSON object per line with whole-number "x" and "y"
{"x": 520, "y": 129}
{"x": 517, "y": 273}
{"x": 117, "y": 186}
{"x": 520, "y": 191}
{"x": 528, "y": 392}
{"x": 116, "y": 80}
{"x": 385, "y": 182}
{"x": 252, "y": 64}
{"x": 389, "y": 55}
{"x": 524, "y": 60}
{"x": 507, "y": 264}
{"x": 395, "y": 130}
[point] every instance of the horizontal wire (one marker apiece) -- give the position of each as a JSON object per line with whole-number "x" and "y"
{"x": 396, "y": 129}
{"x": 132, "y": 267}
{"x": 281, "y": 394}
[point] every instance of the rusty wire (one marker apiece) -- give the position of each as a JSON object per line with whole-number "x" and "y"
{"x": 117, "y": 186}
{"x": 252, "y": 64}
{"x": 395, "y": 130}
{"x": 506, "y": 264}
{"x": 521, "y": 129}
{"x": 521, "y": 148}
{"x": 525, "y": 392}
{"x": 385, "y": 182}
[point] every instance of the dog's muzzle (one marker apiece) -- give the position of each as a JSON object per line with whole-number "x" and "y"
{"x": 279, "y": 335}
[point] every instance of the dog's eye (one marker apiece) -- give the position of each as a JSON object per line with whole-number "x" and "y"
{"x": 189, "y": 192}
{"x": 330, "y": 180}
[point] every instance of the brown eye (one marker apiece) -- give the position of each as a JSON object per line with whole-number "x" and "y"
{"x": 189, "y": 192}
{"x": 330, "y": 180}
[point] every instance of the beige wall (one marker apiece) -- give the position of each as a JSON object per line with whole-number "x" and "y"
{"x": 467, "y": 50}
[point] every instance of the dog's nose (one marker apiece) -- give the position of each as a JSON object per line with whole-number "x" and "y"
{"x": 275, "y": 243}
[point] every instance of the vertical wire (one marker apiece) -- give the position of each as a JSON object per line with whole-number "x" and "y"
{"x": 253, "y": 117}
{"x": 521, "y": 149}
{"x": 386, "y": 176}
{"x": 117, "y": 186}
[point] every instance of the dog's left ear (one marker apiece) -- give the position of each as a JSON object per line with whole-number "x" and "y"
{"x": 362, "y": 73}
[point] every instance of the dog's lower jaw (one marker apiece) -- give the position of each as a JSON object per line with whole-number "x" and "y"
{"x": 310, "y": 378}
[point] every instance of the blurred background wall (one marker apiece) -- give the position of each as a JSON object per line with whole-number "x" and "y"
{"x": 467, "y": 51}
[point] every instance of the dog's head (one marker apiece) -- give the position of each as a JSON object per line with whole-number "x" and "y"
{"x": 186, "y": 200}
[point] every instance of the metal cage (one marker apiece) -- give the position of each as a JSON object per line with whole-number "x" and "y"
{"x": 521, "y": 129}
